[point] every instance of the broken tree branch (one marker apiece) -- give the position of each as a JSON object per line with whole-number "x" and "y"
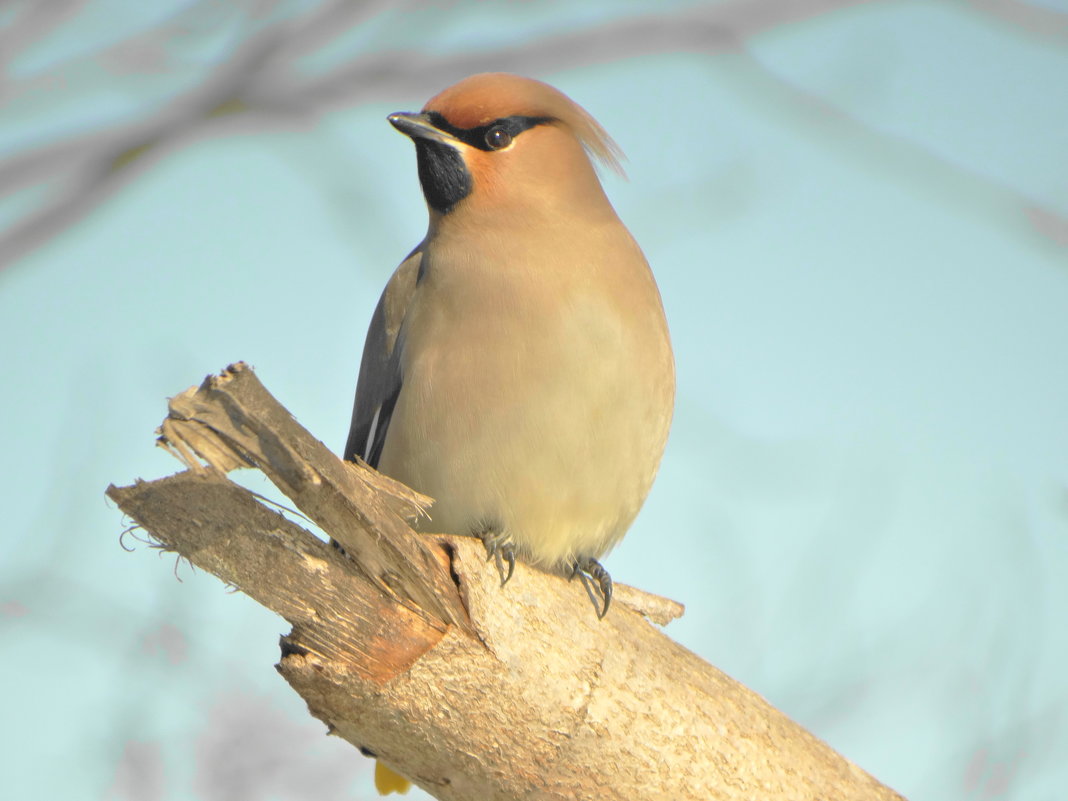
{"x": 407, "y": 646}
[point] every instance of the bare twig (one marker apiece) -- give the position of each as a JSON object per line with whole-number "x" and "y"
{"x": 265, "y": 77}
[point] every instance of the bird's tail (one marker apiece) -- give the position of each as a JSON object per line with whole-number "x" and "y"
{"x": 388, "y": 781}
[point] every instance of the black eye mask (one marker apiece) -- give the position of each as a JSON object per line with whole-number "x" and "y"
{"x": 476, "y": 137}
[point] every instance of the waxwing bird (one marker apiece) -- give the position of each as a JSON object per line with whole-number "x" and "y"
{"x": 518, "y": 367}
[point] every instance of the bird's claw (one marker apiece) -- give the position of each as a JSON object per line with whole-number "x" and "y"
{"x": 589, "y": 570}
{"x": 501, "y": 553}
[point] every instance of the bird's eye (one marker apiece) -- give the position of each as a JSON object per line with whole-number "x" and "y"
{"x": 497, "y": 138}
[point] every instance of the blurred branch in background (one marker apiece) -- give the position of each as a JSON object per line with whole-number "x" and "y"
{"x": 1037, "y": 20}
{"x": 260, "y": 72}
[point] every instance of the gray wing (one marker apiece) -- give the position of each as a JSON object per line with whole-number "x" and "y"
{"x": 380, "y": 380}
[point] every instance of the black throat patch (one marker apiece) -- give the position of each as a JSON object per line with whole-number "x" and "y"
{"x": 442, "y": 174}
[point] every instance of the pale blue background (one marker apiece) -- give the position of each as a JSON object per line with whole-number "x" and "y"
{"x": 859, "y": 222}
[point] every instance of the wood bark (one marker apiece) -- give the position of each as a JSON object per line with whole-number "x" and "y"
{"x": 407, "y": 646}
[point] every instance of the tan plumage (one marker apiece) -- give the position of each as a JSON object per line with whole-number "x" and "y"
{"x": 518, "y": 367}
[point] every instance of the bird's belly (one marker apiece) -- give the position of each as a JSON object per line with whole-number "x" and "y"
{"x": 513, "y": 439}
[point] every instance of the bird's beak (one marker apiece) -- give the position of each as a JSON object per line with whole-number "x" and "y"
{"x": 418, "y": 126}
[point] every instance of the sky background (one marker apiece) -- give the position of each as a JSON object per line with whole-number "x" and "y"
{"x": 858, "y": 217}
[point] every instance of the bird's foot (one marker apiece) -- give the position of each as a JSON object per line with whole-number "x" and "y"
{"x": 589, "y": 570}
{"x": 501, "y": 551}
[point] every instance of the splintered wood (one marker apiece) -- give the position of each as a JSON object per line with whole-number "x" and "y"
{"x": 407, "y": 646}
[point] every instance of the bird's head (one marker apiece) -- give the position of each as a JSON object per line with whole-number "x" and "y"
{"x": 499, "y": 143}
